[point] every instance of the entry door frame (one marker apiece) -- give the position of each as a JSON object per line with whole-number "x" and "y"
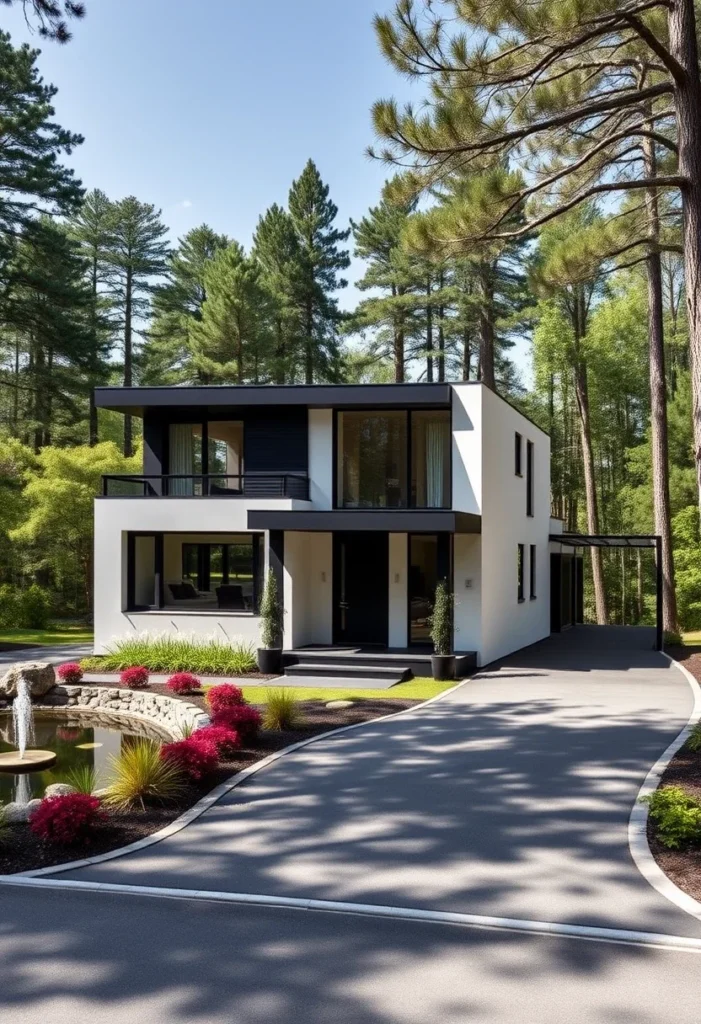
{"x": 444, "y": 571}
{"x": 340, "y": 594}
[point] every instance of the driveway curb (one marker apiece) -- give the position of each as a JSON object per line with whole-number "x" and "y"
{"x": 637, "y": 823}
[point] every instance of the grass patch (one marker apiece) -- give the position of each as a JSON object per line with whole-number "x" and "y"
{"x": 175, "y": 653}
{"x": 58, "y": 633}
{"x": 415, "y": 689}
{"x": 693, "y": 639}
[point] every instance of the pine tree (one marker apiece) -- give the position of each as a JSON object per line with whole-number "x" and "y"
{"x": 32, "y": 180}
{"x": 90, "y": 228}
{"x": 136, "y": 254}
{"x": 277, "y": 252}
{"x": 229, "y": 339}
{"x": 177, "y": 307}
{"x": 51, "y": 16}
{"x": 320, "y": 261}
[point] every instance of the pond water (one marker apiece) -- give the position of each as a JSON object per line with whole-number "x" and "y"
{"x": 77, "y": 740}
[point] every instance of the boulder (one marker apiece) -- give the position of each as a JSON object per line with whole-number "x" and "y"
{"x": 15, "y": 812}
{"x": 40, "y": 676}
{"x": 59, "y": 789}
{"x": 339, "y": 704}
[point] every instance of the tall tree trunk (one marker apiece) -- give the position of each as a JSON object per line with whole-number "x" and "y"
{"x": 687, "y": 98}
{"x": 128, "y": 426}
{"x": 441, "y": 334}
{"x": 429, "y": 335}
{"x": 466, "y": 353}
{"x": 39, "y": 393}
{"x": 486, "y": 328}
{"x": 93, "y": 427}
{"x": 15, "y": 397}
{"x": 309, "y": 342}
{"x": 641, "y": 596}
{"x": 398, "y": 344}
{"x": 582, "y": 398}
{"x": 658, "y": 397}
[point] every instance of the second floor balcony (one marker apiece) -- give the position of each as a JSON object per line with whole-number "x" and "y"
{"x": 180, "y": 485}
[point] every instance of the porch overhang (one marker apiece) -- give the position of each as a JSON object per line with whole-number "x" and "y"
{"x": 351, "y": 520}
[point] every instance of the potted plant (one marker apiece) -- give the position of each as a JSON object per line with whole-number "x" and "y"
{"x": 442, "y": 660}
{"x": 270, "y": 653}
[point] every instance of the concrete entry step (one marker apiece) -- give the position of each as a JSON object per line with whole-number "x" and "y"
{"x": 350, "y": 670}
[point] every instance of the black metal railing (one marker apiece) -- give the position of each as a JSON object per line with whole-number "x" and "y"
{"x": 212, "y": 485}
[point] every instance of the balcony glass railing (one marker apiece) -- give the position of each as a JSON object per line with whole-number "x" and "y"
{"x": 177, "y": 485}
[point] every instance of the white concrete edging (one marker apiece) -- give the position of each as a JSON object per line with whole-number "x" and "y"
{"x": 216, "y": 794}
{"x": 637, "y": 823}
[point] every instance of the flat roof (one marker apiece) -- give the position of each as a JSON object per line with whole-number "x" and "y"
{"x": 605, "y": 540}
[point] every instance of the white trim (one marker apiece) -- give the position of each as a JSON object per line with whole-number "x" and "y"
{"x": 216, "y": 794}
{"x": 618, "y": 936}
{"x": 637, "y": 824}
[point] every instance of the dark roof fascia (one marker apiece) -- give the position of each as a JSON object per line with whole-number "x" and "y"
{"x": 351, "y": 520}
{"x": 338, "y": 396}
{"x": 605, "y": 540}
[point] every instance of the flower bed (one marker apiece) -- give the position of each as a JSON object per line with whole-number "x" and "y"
{"x": 21, "y": 850}
{"x": 167, "y": 652}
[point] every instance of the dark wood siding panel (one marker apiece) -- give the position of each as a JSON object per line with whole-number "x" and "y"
{"x": 276, "y": 441}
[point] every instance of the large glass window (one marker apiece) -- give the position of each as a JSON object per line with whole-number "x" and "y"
{"x": 430, "y": 458}
{"x": 185, "y": 459}
{"x": 225, "y": 455}
{"x": 423, "y": 579}
{"x": 372, "y": 459}
{"x": 220, "y": 461}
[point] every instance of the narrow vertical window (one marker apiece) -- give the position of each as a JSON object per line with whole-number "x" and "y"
{"x": 532, "y": 572}
{"x": 518, "y": 455}
{"x": 520, "y": 571}
{"x": 529, "y": 478}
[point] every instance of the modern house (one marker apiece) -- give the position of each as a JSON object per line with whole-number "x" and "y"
{"x": 360, "y": 497}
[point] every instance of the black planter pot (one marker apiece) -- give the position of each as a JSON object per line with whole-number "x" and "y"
{"x": 270, "y": 660}
{"x": 443, "y": 667}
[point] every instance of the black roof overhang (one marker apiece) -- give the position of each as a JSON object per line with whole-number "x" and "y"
{"x": 350, "y": 520}
{"x": 133, "y": 401}
{"x": 623, "y": 540}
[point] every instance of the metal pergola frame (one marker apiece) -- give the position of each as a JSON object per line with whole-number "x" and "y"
{"x": 624, "y": 540}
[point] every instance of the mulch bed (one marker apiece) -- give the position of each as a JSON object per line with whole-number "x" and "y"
{"x": 683, "y": 867}
{"x": 20, "y": 850}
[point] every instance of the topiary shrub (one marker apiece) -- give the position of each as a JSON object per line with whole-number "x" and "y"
{"x": 677, "y": 816}
{"x": 224, "y": 696}
{"x": 66, "y": 820}
{"x": 244, "y": 719}
{"x": 135, "y": 678}
{"x": 192, "y": 757}
{"x": 70, "y": 673}
{"x": 183, "y": 682}
{"x": 226, "y": 740}
{"x": 441, "y": 620}
{"x": 271, "y": 614}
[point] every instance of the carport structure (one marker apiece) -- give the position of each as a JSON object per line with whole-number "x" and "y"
{"x": 582, "y": 541}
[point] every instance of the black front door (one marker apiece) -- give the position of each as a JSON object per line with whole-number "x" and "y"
{"x": 360, "y": 588}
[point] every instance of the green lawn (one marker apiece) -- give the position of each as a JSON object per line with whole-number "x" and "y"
{"x": 693, "y": 638}
{"x": 58, "y": 633}
{"x": 415, "y": 689}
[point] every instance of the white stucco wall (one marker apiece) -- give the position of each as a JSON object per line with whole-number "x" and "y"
{"x": 321, "y": 457}
{"x": 467, "y": 583}
{"x": 467, "y": 447}
{"x": 308, "y": 589}
{"x": 508, "y": 625}
{"x": 398, "y": 579}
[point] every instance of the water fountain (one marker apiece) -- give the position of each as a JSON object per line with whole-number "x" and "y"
{"x": 24, "y": 758}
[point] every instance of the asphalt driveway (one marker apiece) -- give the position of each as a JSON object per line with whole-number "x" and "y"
{"x": 509, "y": 797}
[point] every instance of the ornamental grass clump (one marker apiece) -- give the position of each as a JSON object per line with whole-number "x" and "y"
{"x": 282, "y": 711}
{"x": 194, "y": 758}
{"x": 694, "y": 741}
{"x": 224, "y": 739}
{"x": 134, "y": 678}
{"x": 66, "y": 820}
{"x": 139, "y": 774}
{"x": 183, "y": 683}
{"x": 83, "y": 778}
{"x": 676, "y": 815}
{"x": 167, "y": 652}
{"x": 71, "y": 673}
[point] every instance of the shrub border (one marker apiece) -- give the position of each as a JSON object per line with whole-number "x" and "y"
{"x": 637, "y": 823}
{"x": 207, "y": 801}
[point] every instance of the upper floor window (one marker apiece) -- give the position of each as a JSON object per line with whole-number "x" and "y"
{"x": 213, "y": 450}
{"x": 394, "y": 459}
{"x": 518, "y": 454}
{"x": 529, "y": 478}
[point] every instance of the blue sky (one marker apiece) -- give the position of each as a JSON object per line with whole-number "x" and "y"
{"x": 210, "y": 108}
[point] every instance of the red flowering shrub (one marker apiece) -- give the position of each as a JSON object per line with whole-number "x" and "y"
{"x": 195, "y": 758}
{"x": 183, "y": 682}
{"x": 244, "y": 719}
{"x": 223, "y": 696}
{"x": 68, "y": 733}
{"x": 136, "y": 678}
{"x": 226, "y": 740}
{"x": 70, "y": 673}
{"x": 66, "y": 819}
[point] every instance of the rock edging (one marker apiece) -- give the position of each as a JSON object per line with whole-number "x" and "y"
{"x": 172, "y": 716}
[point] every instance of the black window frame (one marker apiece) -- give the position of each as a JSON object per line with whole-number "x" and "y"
{"x": 518, "y": 454}
{"x": 337, "y": 490}
{"x": 529, "y": 479}
{"x": 203, "y": 424}
{"x": 521, "y": 554}
{"x": 532, "y": 569}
